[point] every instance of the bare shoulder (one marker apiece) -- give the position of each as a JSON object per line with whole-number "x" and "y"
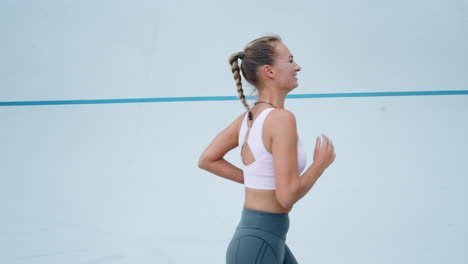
{"x": 240, "y": 118}
{"x": 236, "y": 124}
{"x": 281, "y": 118}
{"x": 279, "y": 124}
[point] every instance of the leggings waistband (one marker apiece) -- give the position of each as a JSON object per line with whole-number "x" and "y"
{"x": 275, "y": 223}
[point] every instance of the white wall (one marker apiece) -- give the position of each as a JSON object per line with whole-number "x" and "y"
{"x": 119, "y": 183}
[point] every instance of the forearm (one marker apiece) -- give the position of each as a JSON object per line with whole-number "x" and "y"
{"x": 298, "y": 187}
{"x": 224, "y": 169}
{"x": 308, "y": 179}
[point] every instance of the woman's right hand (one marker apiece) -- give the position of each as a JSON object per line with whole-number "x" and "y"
{"x": 324, "y": 153}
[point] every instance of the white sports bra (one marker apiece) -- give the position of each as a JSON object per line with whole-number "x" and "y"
{"x": 261, "y": 174}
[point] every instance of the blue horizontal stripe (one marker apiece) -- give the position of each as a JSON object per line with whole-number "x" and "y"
{"x": 226, "y": 98}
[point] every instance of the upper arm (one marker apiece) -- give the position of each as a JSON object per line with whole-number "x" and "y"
{"x": 284, "y": 150}
{"x": 225, "y": 141}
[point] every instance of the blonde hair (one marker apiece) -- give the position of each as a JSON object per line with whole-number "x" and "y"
{"x": 257, "y": 53}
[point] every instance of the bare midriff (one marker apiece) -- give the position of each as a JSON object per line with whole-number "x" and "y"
{"x": 263, "y": 200}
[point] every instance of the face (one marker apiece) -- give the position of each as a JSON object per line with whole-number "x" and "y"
{"x": 285, "y": 68}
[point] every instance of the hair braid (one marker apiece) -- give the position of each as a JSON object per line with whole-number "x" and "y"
{"x": 233, "y": 60}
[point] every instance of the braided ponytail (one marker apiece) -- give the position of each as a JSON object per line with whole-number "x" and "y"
{"x": 258, "y": 52}
{"x": 233, "y": 60}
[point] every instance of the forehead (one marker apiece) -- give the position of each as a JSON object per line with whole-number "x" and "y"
{"x": 282, "y": 51}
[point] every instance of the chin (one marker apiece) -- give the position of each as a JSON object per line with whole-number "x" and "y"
{"x": 292, "y": 88}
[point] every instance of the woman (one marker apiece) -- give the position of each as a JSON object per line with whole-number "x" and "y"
{"x": 272, "y": 155}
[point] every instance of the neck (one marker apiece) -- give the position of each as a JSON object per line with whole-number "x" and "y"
{"x": 274, "y": 98}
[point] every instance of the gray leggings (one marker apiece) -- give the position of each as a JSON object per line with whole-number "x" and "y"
{"x": 259, "y": 239}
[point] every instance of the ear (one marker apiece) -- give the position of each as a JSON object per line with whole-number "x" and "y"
{"x": 267, "y": 72}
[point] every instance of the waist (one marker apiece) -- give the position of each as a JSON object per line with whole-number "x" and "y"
{"x": 263, "y": 200}
{"x": 276, "y": 223}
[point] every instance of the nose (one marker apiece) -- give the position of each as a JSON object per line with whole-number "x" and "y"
{"x": 298, "y": 68}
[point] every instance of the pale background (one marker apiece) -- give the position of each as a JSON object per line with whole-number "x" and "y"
{"x": 119, "y": 183}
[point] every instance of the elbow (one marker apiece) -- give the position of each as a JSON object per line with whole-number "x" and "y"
{"x": 287, "y": 197}
{"x": 202, "y": 163}
{"x": 285, "y": 203}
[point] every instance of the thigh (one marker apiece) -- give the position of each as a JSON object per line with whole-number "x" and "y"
{"x": 289, "y": 257}
{"x": 250, "y": 249}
